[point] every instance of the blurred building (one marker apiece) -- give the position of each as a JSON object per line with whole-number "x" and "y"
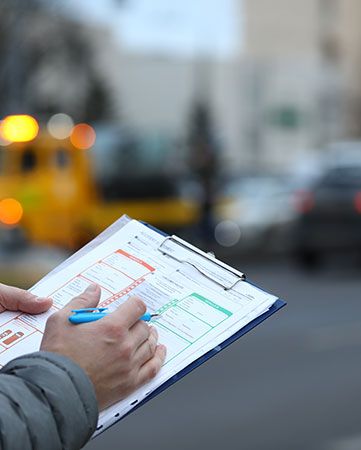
{"x": 296, "y": 85}
{"x": 156, "y": 92}
{"x": 291, "y": 89}
{"x": 348, "y": 39}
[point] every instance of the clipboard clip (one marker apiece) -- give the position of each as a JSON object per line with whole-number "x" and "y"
{"x": 240, "y": 276}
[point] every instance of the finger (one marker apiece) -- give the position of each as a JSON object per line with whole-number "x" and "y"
{"x": 15, "y": 299}
{"x": 151, "y": 367}
{"x": 147, "y": 349}
{"x": 88, "y": 299}
{"x": 129, "y": 312}
{"x": 139, "y": 333}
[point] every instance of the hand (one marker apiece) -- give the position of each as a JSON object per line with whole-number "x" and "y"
{"x": 119, "y": 352}
{"x": 15, "y": 299}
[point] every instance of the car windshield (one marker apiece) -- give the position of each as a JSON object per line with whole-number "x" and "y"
{"x": 341, "y": 177}
{"x": 256, "y": 186}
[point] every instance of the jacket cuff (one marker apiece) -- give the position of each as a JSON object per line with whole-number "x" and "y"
{"x": 68, "y": 390}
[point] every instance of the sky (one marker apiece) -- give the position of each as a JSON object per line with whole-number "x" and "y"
{"x": 185, "y": 28}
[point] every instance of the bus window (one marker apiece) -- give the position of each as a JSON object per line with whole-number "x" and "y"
{"x": 62, "y": 158}
{"x": 28, "y": 160}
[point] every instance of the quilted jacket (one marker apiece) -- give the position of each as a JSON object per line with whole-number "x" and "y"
{"x": 47, "y": 402}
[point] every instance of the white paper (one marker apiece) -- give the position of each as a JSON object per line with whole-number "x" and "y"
{"x": 196, "y": 314}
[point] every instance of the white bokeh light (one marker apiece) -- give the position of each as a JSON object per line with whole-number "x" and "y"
{"x": 227, "y": 233}
{"x": 60, "y": 126}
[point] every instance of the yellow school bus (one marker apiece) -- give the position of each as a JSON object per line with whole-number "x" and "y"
{"x": 49, "y": 193}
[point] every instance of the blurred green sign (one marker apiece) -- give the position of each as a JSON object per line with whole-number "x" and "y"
{"x": 286, "y": 116}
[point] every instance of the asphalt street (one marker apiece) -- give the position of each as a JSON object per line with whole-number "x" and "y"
{"x": 292, "y": 383}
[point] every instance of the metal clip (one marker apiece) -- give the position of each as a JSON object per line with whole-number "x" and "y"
{"x": 241, "y": 276}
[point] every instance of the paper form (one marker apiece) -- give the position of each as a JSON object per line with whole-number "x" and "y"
{"x": 196, "y": 314}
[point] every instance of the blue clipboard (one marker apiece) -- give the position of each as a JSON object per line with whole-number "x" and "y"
{"x": 274, "y": 308}
{"x": 202, "y": 359}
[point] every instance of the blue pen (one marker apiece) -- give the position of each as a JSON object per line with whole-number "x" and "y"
{"x": 89, "y": 315}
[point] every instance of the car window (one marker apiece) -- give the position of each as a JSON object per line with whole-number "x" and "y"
{"x": 62, "y": 158}
{"x": 28, "y": 160}
{"x": 342, "y": 177}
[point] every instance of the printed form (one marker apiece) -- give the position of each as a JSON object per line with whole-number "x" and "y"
{"x": 196, "y": 313}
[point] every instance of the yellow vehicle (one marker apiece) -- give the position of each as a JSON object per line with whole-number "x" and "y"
{"x": 49, "y": 191}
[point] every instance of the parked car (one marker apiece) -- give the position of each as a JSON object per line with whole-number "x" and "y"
{"x": 253, "y": 211}
{"x": 329, "y": 214}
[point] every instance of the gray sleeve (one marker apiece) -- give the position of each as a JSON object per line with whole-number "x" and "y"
{"x": 46, "y": 402}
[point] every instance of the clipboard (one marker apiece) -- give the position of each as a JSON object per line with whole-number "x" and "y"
{"x": 276, "y": 306}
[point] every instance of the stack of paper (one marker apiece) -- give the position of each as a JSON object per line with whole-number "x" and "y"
{"x": 201, "y": 301}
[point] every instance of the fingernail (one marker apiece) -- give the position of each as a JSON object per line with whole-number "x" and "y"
{"x": 91, "y": 288}
{"x": 163, "y": 349}
{"x": 41, "y": 299}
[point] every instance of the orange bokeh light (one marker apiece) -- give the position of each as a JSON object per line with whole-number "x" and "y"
{"x": 11, "y": 211}
{"x": 19, "y": 128}
{"x": 82, "y": 136}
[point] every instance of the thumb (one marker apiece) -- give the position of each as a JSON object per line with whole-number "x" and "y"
{"x": 15, "y": 299}
{"x": 88, "y": 299}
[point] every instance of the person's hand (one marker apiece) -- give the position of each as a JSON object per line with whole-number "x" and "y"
{"x": 15, "y": 299}
{"x": 119, "y": 352}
